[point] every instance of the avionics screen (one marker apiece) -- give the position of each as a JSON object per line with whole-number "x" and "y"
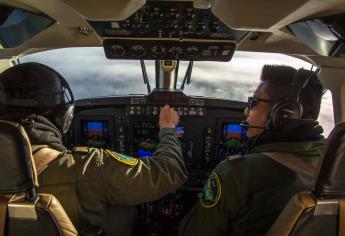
{"x": 232, "y": 131}
{"x": 146, "y": 137}
{"x": 231, "y": 142}
{"x": 179, "y": 131}
{"x": 95, "y": 133}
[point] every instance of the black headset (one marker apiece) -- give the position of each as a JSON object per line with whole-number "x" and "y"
{"x": 290, "y": 108}
{"x": 63, "y": 112}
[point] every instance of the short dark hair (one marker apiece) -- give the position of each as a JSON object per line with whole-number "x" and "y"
{"x": 279, "y": 78}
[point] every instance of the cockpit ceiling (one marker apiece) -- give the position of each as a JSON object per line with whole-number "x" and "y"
{"x": 267, "y": 20}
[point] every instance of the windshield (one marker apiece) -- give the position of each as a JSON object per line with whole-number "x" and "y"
{"x": 83, "y": 67}
{"x": 90, "y": 74}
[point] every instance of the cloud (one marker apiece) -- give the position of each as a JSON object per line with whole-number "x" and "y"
{"x": 90, "y": 74}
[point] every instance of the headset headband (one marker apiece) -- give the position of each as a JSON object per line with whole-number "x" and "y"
{"x": 21, "y": 102}
{"x": 299, "y": 82}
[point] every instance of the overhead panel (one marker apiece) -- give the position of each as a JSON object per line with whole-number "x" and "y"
{"x": 169, "y": 30}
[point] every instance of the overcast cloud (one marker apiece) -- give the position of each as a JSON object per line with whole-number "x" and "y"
{"x": 90, "y": 74}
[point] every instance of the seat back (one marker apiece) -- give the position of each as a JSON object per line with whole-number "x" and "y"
{"x": 321, "y": 211}
{"x": 306, "y": 215}
{"x": 22, "y": 211}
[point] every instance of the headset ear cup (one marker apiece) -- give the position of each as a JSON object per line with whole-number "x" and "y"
{"x": 64, "y": 116}
{"x": 283, "y": 111}
{"x": 67, "y": 118}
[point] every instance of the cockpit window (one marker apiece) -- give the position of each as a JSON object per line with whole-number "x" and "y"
{"x": 17, "y": 25}
{"x": 90, "y": 74}
{"x": 236, "y": 79}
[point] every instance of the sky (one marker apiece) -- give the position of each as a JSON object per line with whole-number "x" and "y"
{"x": 90, "y": 74}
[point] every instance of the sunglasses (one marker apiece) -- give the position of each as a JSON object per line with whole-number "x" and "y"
{"x": 253, "y": 101}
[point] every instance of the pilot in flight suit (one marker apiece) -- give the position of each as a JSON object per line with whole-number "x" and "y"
{"x": 245, "y": 194}
{"x": 86, "y": 181}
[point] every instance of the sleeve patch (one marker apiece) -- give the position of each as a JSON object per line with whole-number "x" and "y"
{"x": 211, "y": 192}
{"x": 123, "y": 158}
{"x": 79, "y": 149}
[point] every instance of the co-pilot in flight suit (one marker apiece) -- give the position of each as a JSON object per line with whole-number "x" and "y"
{"x": 89, "y": 181}
{"x": 244, "y": 195}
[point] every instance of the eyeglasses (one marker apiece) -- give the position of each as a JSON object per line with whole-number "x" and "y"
{"x": 253, "y": 101}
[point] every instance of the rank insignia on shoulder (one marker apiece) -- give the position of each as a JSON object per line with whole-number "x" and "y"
{"x": 81, "y": 149}
{"x": 211, "y": 192}
{"x": 123, "y": 158}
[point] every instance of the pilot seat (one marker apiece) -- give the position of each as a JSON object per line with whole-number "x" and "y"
{"x": 22, "y": 211}
{"x": 321, "y": 211}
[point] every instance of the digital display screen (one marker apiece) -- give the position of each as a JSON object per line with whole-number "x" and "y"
{"x": 146, "y": 137}
{"x": 231, "y": 142}
{"x": 232, "y": 131}
{"x": 179, "y": 131}
{"x": 95, "y": 133}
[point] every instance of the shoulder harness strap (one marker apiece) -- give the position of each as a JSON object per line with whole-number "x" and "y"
{"x": 43, "y": 157}
{"x": 341, "y": 222}
{"x": 294, "y": 163}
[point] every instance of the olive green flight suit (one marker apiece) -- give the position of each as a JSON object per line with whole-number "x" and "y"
{"x": 246, "y": 194}
{"x": 88, "y": 182}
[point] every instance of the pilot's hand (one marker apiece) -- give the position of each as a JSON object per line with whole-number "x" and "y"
{"x": 168, "y": 118}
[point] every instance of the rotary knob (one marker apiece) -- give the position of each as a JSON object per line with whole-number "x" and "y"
{"x": 200, "y": 28}
{"x": 176, "y": 52}
{"x": 118, "y": 50}
{"x": 158, "y": 51}
{"x": 192, "y": 52}
{"x": 138, "y": 50}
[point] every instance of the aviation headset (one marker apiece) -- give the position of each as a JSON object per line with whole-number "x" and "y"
{"x": 291, "y": 107}
{"x": 63, "y": 111}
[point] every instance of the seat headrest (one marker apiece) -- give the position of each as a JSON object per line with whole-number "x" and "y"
{"x": 17, "y": 169}
{"x": 331, "y": 179}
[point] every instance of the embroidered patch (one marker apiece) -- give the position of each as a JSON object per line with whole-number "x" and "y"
{"x": 211, "y": 192}
{"x": 81, "y": 149}
{"x": 123, "y": 158}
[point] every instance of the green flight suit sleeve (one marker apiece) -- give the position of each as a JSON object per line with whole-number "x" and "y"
{"x": 213, "y": 218}
{"x": 151, "y": 178}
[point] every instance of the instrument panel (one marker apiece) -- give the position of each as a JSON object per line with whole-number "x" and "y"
{"x": 209, "y": 130}
{"x": 169, "y": 30}
{"x": 168, "y": 19}
{"x": 158, "y": 49}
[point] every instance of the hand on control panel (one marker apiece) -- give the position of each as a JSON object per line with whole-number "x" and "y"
{"x": 168, "y": 117}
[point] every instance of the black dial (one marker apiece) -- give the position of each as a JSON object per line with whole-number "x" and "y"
{"x": 118, "y": 50}
{"x": 176, "y": 52}
{"x": 138, "y": 50}
{"x": 158, "y": 51}
{"x": 192, "y": 52}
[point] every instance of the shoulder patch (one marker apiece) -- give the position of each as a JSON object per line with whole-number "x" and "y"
{"x": 123, "y": 158}
{"x": 211, "y": 192}
{"x": 81, "y": 149}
